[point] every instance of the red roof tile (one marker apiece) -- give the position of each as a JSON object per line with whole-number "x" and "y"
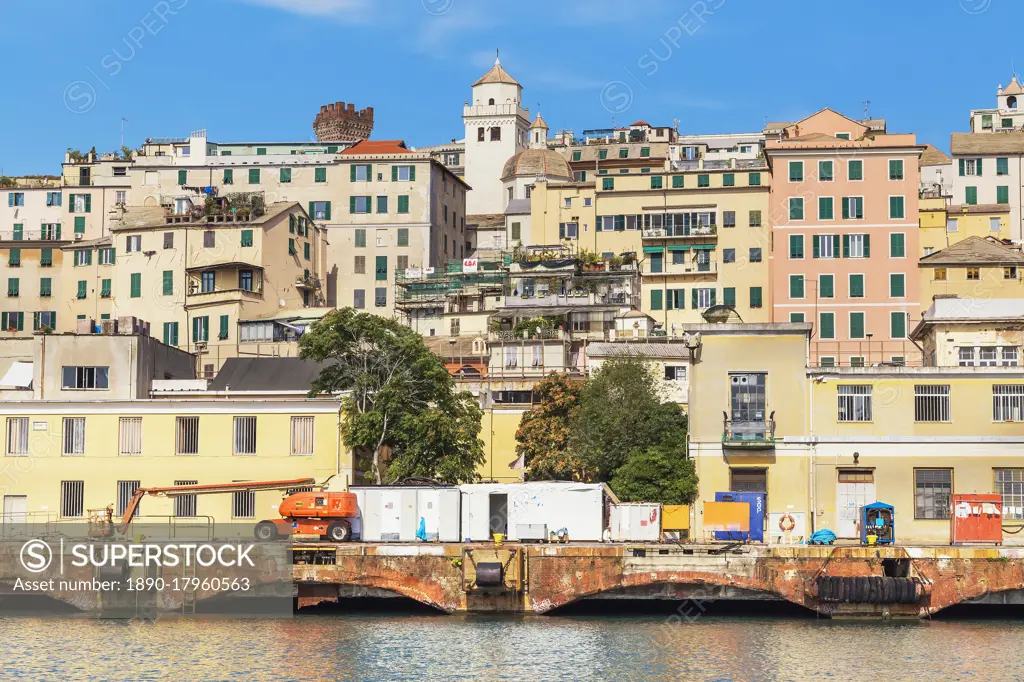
{"x": 378, "y": 147}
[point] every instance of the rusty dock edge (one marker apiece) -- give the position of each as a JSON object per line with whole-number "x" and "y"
{"x": 907, "y": 582}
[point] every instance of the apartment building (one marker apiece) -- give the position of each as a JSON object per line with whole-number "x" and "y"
{"x": 105, "y": 415}
{"x": 974, "y": 268}
{"x": 844, "y": 213}
{"x": 972, "y": 332}
{"x": 822, "y": 446}
{"x": 95, "y": 187}
{"x": 942, "y": 225}
{"x": 987, "y": 170}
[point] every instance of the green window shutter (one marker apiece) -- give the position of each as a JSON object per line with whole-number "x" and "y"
{"x": 195, "y": 330}
{"x": 755, "y": 297}
{"x": 35, "y": 321}
{"x": 977, "y": 172}
{"x": 223, "y": 327}
{"x": 728, "y": 179}
{"x": 713, "y": 302}
{"x": 835, "y": 246}
{"x": 670, "y": 300}
{"x": 656, "y": 295}
{"x": 88, "y": 200}
{"x": 79, "y": 224}
{"x": 826, "y": 286}
{"x": 381, "y": 269}
{"x": 867, "y": 246}
{"x": 896, "y": 207}
{"x": 796, "y": 245}
{"x": 845, "y": 201}
{"x": 291, "y": 246}
{"x": 403, "y": 236}
{"x": 412, "y": 173}
{"x": 136, "y": 285}
{"x": 394, "y": 174}
{"x": 796, "y": 208}
{"x": 291, "y": 223}
{"x": 827, "y": 326}
{"x": 846, "y": 246}
{"x": 15, "y": 257}
{"x": 897, "y": 245}
{"x": 796, "y": 286}
{"x": 1002, "y": 166}
{"x": 729, "y": 296}
{"x": 856, "y": 286}
{"x": 19, "y": 232}
{"x": 816, "y": 246}
{"x": 360, "y": 237}
{"x": 655, "y": 182}
{"x": 46, "y": 256}
{"x": 82, "y": 288}
{"x": 677, "y": 181}
{"x": 254, "y": 176}
{"x": 45, "y": 286}
{"x": 182, "y": 177}
{"x": 703, "y": 180}
{"x": 898, "y": 325}
{"x": 856, "y": 325}
{"x": 174, "y": 333}
{"x": 285, "y": 175}
{"x": 693, "y": 298}
{"x": 754, "y": 179}
{"x": 332, "y": 149}
{"x": 305, "y": 250}
{"x": 352, "y": 204}
{"x": 261, "y": 151}
{"x": 961, "y": 161}
{"x": 246, "y": 237}
{"x": 1003, "y": 194}
{"x": 796, "y": 171}
{"x": 105, "y": 288}
{"x": 319, "y": 175}
{"x": 352, "y": 172}
{"x": 327, "y": 210}
{"x": 897, "y": 286}
{"x": 13, "y": 288}
{"x": 403, "y": 203}
{"x": 971, "y": 195}
{"x": 168, "y": 282}
{"x": 71, "y": 207}
{"x": 824, "y": 208}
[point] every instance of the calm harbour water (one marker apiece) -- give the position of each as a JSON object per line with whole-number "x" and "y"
{"x": 413, "y": 647}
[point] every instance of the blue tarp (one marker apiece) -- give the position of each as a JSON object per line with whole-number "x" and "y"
{"x": 823, "y": 537}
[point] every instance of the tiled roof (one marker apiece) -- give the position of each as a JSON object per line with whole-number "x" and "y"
{"x": 537, "y": 162}
{"x": 497, "y": 74}
{"x": 933, "y": 157}
{"x": 538, "y": 122}
{"x": 977, "y": 208}
{"x": 640, "y": 123}
{"x": 965, "y": 144}
{"x": 589, "y": 152}
{"x": 1013, "y": 88}
{"x": 485, "y": 221}
{"x": 377, "y": 147}
{"x": 266, "y": 374}
{"x": 675, "y": 350}
{"x": 973, "y": 251}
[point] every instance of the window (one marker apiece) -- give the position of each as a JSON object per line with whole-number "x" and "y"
{"x": 75, "y": 378}
{"x": 243, "y": 504}
{"x": 796, "y": 246}
{"x": 855, "y": 170}
{"x": 825, "y": 211}
{"x": 130, "y": 440}
{"x": 896, "y": 208}
{"x": 826, "y": 286}
{"x": 624, "y": 153}
{"x": 703, "y": 180}
{"x": 72, "y": 499}
{"x": 170, "y": 333}
{"x": 229, "y": 176}
{"x": 136, "y": 285}
{"x": 702, "y": 298}
{"x": 495, "y": 134}
{"x": 932, "y": 491}
{"x": 728, "y": 179}
{"x": 796, "y": 171}
{"x": 479, "y": 134}
{"x": 133, "y": 243}
{"x": 754, "y": 219}
{"x": 186, "y": 436}
{"x": 54, "y": 198}
{"x": 607, "y": 183}
{"x": 17, "y": 436}
{"x": 105, "y": 288}
{"x": 319, "y": 175}
{"x": 677, "y": 181}
{"x": 1002, "y": 166}
{"x": 80, "y": 257}
{"x": 302, "y": 436}
{"x": 254, "y": 176}
{"x": 856, "y": 325}
{"x": 382, "y": 204}
{"x": 825, "y": 246}
{"x": 185, "y": 505}
{"x": 853, "y": 208}
{"x": 106, "y": 256}
{"x": 897, "y": 285}
{"x": 931, "y": 403}
{"x": 46, "y": 258}
{"x": 970, "y": 195}
{"x": 359, "y": 299}
{"x": 360, "y": 237}
{"x": 403, "y": 173}
{"x": 656, "y": 299}
{"x": 755, "y": 297}
{"x": 729, "y": 218}
{"x": 970, "y": 167}
{"x": 381, "y": 268}
{"x": 675, "y": 372}
{"x": 939, "y": 274}
{"x": 359, "y": 204}
{"x": 895, "y": 169}
{"x": 576, "y": 156}
{"x": 986, "y": 121}
{"x": 755, "y": 254}
{"x": 827, "y": 326}
{"x": 854, "y": 403}
{"x": 1006, "y": 122}
{"x": 796, "y": 208}
{"x": 842, "y": 136}
{"x": 1007, "y": 402}
{"x": 245, "y": 436}
{"x": 74, "y": 436}
{"x": 796, "y": 286}
{"x": 380, "y": 297}
{"x": 82, "y": 287}
{"x": 728, "y": 255}
{"x": 201, "y": 329}
{"x": 16, "y": 199}
{"x": 602, "y": 154}
{"x": 754, "y": 179}
{"x": 657, "y": 262}
{"x": 224, "y": 327}
{"x": 973, "y": 273}
{"x": 1002, "y": 195}
{"x": 824, "y": 171}
{"x": 897, "y": 245}
{"x": 1010, "y": 484}
{"x": 655, "y": 183}
{"x": 748, "y": 480}
{"x": 856, "y": 246}
{"x": 728, "y": 296}
{"x": 897, "y": 325}
{"x": 1009, "y": 356}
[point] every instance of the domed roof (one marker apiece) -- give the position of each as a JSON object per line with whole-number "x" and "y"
{"x": 537, "y": 162}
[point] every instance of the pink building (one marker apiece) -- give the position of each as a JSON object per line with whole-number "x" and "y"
{"x": 844, "y": 236}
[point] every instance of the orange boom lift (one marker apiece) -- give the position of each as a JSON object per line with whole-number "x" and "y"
{"x": 319, "y": 512}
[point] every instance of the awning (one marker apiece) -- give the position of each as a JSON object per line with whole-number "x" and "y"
{"x": 703, "y": 247}
{"x": 679, "y": 247}
{"x": 654, "y": 249}
{"x": 19, "y": 375}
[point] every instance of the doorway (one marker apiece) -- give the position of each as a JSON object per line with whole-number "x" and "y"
{"x": 854, "y": 489}
{"x": 15, "y": 508}
{"x": 499, "y": 513}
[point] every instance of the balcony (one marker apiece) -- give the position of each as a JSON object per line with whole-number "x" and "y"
{"x": 748, "y": 435}
{"x": 47, "y": 233}
{"x": 307, "y": 281}
{"x": 222, "y": 296}
{"x": 571, "y": 299}
{"x": 680, "y": 232}
{"x": 688, "y": 268}
{"x": 78, "y": 182}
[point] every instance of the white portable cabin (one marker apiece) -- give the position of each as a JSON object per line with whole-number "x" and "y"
{"x": 407, "y": 513}
{"x": 532, "y": 511}
{"x": 636, "y": 522}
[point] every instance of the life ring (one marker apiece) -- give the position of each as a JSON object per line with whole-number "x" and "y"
{"x": 786, "y": 523}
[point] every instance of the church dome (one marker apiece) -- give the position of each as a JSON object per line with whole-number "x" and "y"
{"x": 537, "y": 162}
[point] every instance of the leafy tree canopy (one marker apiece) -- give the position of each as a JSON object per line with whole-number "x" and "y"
{"x": 543, "y": 435}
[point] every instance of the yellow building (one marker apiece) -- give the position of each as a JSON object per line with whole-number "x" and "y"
{"x": 943, "y": 226}
{"x": 703, "y": 236}
{"x": 975, "y": 268}
{"x": 821, "y": 443}
{"x": 103, "y": 415}
{"x": 972, "y": 332}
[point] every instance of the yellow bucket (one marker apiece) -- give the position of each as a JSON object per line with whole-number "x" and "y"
{"x": 872, "y": 539}
{"x": 498, "y": 537}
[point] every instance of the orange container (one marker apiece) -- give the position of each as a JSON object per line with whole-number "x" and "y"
{"x": 977, "y": 517}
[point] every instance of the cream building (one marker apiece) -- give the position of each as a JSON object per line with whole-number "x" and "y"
{"x": 974, "y": 268}
{"x": 95, "y": 188}
{"x": 972, "y": 332}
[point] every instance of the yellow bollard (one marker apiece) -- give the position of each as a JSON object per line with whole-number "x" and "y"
{"x": 498, "y": 537}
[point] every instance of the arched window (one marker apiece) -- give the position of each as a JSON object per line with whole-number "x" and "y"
{"x": 1011, "y": 102}
{"x": 491, "y": 101}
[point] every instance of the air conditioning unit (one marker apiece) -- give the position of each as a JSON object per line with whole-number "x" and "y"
{"x": 79, "y": 236}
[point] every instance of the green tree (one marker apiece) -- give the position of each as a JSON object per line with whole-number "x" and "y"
{"x": 658, "y": 474}
{"x": 403, "y": 415}
{"x": 543, "y": 436}
{"x": 621, "y": 414}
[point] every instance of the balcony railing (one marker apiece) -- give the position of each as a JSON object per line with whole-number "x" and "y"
{"x": 671, "y": 232}
{"x": 571, "y": 299}
{"x": 223, "y": 296}
{"x": 688, "y": 268}
{"x": 49, "y": 233}
{"x": 751, "y": 434}
{"x": 78, "y": 182}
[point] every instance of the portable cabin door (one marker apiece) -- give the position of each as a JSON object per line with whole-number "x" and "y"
{"x": 854, "y": 489}
{"x": 390, "y": 515}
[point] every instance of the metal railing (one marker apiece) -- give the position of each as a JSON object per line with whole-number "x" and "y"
{"x": 78, "y": 182}
{"x": 686, "y": 231}
{"x": 50, "y": 233}
{"x": 748, "y": 433}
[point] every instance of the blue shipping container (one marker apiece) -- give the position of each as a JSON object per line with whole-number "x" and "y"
{"x": 757, "y": 513}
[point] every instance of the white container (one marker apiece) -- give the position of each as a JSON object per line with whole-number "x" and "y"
{"x": 636, "y": 522}
{"x": 577, "y": 507}
{"x": 407, "y": 513}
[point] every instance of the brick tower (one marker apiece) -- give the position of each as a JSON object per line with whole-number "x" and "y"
{"x": 336, "y": 122}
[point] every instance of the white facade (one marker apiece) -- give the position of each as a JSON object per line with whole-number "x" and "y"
{"x": 495, "y": 114}
{"x": 32, "y": 208}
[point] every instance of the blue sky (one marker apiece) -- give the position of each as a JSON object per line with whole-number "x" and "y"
{"x": 259, "y": 69}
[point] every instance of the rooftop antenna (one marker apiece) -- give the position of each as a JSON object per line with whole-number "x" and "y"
{"x": 675, "y": 124}
{"x": 123, "y": 121}
{"x": 867, "y": 103}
